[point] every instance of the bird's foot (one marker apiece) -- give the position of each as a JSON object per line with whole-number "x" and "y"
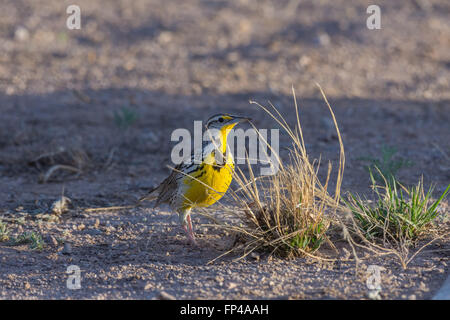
{"x": 193, "y": 242}
{"x": 190, "y": 236}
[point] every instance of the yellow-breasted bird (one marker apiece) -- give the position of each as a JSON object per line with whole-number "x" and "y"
{"x": 200, "y": 183}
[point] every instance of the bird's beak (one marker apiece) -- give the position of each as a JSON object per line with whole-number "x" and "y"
{"x": 237, "y": 119}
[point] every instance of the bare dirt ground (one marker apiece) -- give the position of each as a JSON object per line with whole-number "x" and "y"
{"x": 168, "y": 63}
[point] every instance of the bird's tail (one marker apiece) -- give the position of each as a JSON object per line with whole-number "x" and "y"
{"x": 151, "y": 195}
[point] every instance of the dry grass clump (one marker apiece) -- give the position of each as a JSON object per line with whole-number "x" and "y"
{"x": 285, "y": 212}
{"x": 62, "y": 161}
{"x": 289, "y": 212}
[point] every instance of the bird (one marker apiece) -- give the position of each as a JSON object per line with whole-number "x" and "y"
{"x": 204, "y": 179}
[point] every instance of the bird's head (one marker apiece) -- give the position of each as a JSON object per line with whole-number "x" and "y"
{"x": 224, "y": 122}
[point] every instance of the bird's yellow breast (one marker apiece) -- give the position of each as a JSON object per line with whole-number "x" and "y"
{"x": 209, "y": 183}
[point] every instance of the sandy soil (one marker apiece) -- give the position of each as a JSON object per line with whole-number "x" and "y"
{"x": 169, "y": 63}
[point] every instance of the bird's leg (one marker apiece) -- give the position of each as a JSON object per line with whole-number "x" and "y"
{"x": 191, "y": 230}
{"x": 185, "y": 220}
{"x": 189, "y": 235}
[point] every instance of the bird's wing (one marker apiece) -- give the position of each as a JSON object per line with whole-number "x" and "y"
{"x": 167, "y": 189}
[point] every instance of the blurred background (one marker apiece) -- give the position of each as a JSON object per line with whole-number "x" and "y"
{"x": 104, "y": 99}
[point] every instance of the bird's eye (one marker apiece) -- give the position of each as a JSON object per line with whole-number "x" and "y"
{"x": 220, "y": 119}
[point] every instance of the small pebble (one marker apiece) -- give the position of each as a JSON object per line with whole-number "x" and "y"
{"x": 374, "y": 294}
{"x": 323, "y": 39}
{"x": 148, "y": 286}
{"x": 165, "y": 296}
{"x": 254, "y": 255}
{"x": 67, "y": 248}
{"x": 423, "y": 287}
{"x": 21, "y": 34}
{"x": 232, "y": 285}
